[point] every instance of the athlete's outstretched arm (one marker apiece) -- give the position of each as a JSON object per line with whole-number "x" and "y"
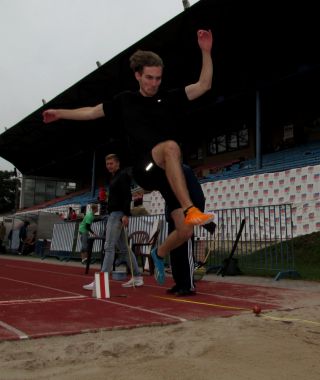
{"x": 84, "y": 113}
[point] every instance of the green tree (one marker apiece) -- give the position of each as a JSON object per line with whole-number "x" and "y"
{"x": 9, "y": 186}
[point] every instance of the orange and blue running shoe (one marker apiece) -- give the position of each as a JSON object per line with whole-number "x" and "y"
{"x": 159, "y": 272}
{"x": 195, "y": 217}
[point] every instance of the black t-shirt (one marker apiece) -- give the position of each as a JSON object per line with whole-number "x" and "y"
{"x": 119, "y": 198}
{"x": 146, "y": 121}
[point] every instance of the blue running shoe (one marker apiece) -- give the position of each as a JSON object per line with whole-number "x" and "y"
{"x": 159, "y": 273}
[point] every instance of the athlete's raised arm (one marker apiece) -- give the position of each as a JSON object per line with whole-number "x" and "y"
{"x": 197, "y": 89}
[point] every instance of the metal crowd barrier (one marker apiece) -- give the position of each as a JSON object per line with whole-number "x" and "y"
{"x": 265, "y": 245}
{"x": 66, "y": 244}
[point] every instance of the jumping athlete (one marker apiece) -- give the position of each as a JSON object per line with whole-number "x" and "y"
{"x": 148, "y": 119}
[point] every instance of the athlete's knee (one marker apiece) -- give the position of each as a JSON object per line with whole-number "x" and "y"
{"x": 171, "y": 148}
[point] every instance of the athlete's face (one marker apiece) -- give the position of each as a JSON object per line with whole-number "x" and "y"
{"x": 112, "y": 165}
{"x": 149, "y": 80}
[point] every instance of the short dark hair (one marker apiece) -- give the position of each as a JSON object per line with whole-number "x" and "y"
{"x": 112, "y": 156}
{"x": 142, "y": 58}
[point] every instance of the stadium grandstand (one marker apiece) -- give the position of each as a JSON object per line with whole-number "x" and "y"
{"x": 253, "y": 141}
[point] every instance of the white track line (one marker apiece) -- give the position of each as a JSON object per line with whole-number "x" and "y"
{"x": 84, "y": 297}
{"x": 13, "y": 330}
{"x": 39, "y": 286}
{"x": 117, "y": 303}
{"x": 44, "y": 271}
{"x": 41, "y": 300}
{"x": 150, "y": 286}
{"x": 145, "y": 310}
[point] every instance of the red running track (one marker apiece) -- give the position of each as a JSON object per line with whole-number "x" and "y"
{"x": 40, "y": 299}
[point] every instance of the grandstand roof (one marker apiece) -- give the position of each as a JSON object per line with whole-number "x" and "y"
{"x": 256, "y": 44}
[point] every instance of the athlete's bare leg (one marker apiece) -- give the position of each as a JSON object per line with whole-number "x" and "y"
{"x": 181, "y": 234}
{"x": 167, "y": 155}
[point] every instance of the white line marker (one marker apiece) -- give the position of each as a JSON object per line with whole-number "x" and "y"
{"x": 15, "y": 331}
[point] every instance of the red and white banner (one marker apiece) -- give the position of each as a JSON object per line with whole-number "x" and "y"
{"x": 101, "y": 282}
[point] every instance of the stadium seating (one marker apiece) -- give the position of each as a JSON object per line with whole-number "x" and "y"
{"x": 304, "y": 155}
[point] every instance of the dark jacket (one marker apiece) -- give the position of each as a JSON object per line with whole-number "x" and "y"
{"x": 120, "y": 193}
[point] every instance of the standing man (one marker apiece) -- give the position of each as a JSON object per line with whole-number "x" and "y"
{"x": 85, "y": 230}
{"x": 148, "y": 119}
{"x": 119, "y": 202}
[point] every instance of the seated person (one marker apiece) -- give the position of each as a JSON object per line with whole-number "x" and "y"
{"x": 30, "y": 243}
{"x": 23, "y": 233}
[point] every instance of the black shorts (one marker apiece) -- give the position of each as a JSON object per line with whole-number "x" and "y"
{"x": 156, "y": 179}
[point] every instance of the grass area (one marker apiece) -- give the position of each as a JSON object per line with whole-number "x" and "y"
{"x": 307, "y": 256}
{"x": 264, "y": 262}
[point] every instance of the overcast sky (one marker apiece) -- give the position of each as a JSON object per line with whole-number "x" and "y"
{"x": 48, "y": 45}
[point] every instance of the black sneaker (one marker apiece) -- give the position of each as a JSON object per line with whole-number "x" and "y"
{"x": 210, "y": 227}
{"x": 172, "y": 290}
{"x": 185, "y": 292}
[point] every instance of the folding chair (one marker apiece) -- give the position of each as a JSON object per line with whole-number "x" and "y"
{"x": 142, "y": 243}
{"x": 138, "y": 240}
